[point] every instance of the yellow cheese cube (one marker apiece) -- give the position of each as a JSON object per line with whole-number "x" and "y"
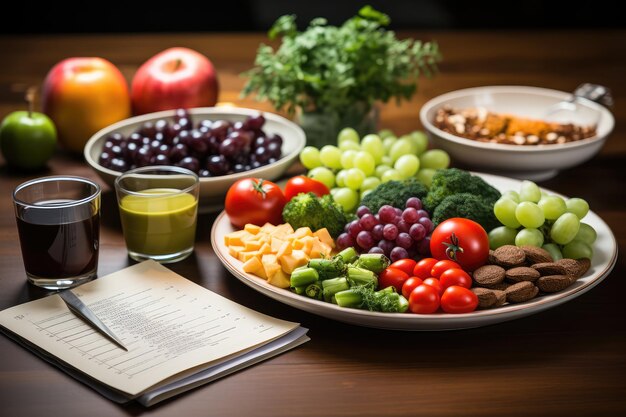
{"x": 250, "y": 245}
{"x": 253, "y": 229}
{"x": 235, "y": 238}
{"x": 293, "y": 260}
{"x": 254, "y": 266}
{"x": 325, "y": 237}
{"x": 234, "y": 250}
{"x": 302, "y": 232}
{"x": 245, "y": 256}
{"x": 276, "y": 243}
{"x": 279, "y": 279}
{"x": 285, "y": 249}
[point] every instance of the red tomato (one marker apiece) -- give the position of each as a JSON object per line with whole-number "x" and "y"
{"x": 458, "y": 300}
{"x": 409, "y": 285}
{"x": 405, "y": 265}
{"x": 424, "y": 300}
{"x": 434, "y": 282}
{"x": 442, "y": 266}
{"x": 422, "y": 268}
{"x": 392, "y": 277}
{"x": 455, "y": 276}
{"x": 256, "y": 201}
{"x": 460, "y": 240}
{"x": 303, "y": 184}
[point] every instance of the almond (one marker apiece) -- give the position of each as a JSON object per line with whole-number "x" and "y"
{"x": 549, "y": 268}
{"x": 509, "y": 256}
{"x": 572, "y": 267}
{"x": 554, "y": 283}
{"x": 486, "y": 298}
{"x": 520, "y": 292}
{"x": 488, "y": 275}
{"x": 535, "y": 255}
{"x": 522, "y": 273}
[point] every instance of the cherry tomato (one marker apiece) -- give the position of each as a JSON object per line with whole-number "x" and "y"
{"x": 455, "y": 276}
{"x": 256, "y": 201}
{"x": 434, "y": 282}
{"x": 405, "y": 265}
{"x": 423, "y": 267}
{"x": 392, "y": 277}
{"x": 442, "y": 266}
{"x": 303, "y": 184}
{"x": 460, "y": 240}
{"x": 458, "y": 300}
{"x": 424, "y": 299}
{"x": 409, "y": 285}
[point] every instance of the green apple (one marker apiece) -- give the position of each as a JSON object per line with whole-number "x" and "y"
{"x": 27, "y": 139}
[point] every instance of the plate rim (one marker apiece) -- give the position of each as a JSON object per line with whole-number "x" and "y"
{"x": 469, "y": 320}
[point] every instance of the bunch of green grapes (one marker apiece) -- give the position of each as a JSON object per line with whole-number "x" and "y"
{"x": 535, "y": 218}
{"x": 358, "y": 165}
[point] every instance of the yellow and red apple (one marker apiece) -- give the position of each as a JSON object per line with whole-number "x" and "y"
{"x": 82, "y": 96}
{"x": 172, "y": 79}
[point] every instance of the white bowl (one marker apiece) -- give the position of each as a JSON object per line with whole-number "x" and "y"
{"x": 536, "y": 162}
{"x": 213, "y": 189}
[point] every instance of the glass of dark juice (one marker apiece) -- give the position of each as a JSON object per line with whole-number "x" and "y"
{"x": 58, "y": 221}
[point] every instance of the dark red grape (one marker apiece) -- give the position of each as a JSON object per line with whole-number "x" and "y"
{"x": 417, "y": 231}
{"x": 272, "y": 160}
{"x": 163, "y": 149}
{"x": 403, "y": 226}
{"x": 205, "y": 124}
{"x": 390, "y": 231}
{"x": 344, "y": 240}
{"x": 273, "y": 149}
{"x": 422, "y": 213}
{"x": 255, "y": 122}
{"x": 108, "y": 145}
{"x": 368, "y": 221}
{"x": 118, "y": 164}
{"x": 142, "y": 157}
{"x": 404, "y": 240}
{"x": 131, "y": 151}
{"x": 262, "y": 155}
{"x": 427, "y": 223}
{"x": 160, "y": 159}
{"x": 117, "y": 151}
{"x": 204, "y": 173}
{"x": 386, "y": 214}
{"x": 365, "y": 240}
{"x": 277, "y": 139}
{"x": 414, "y": 202}
{"x": 259, "y": 141}
{"x": 190, "y": 163}
{"x": 255, "y": 164}
{"x": 115, "y": 138}
{"x": 217, "y": 165}
{"x": 354, "y": 228}
{"x": 145, "y": 141}
{"x": 230, "y": 148}
{"x": 199, "y": 145}
{"x": 185, "y": 123}
{"x": 376, "y": 249}
{"x": 362, "y": 210}
{"x": 160, "y": 125}
{"x": 105, "y": 159}
{"x": 377, "y": 232}
{"x": 180, "y": 114}
{"x": 386, "y": 246}
{"x": 398, "y": 211}
{"x": 242, "y": 136}
{"x": 148, "y": 129}
{"x": 409, "y": 215}
{"x": 220, "y": 129}
{"x": 239, "y": 168}
{"x": 423, "y": 247}
{"x": 178, "y": 152}
{"x": 171, "y": 131}
{"x": 398, "y": 253}
{"x": 135, "y": 138}
{"x": 185, "y": 137}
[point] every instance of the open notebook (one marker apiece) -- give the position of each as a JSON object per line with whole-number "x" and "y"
{"x": 179, "y": 335}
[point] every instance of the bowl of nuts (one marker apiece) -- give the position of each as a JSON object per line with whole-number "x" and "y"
{"x": 220, "y": 144}
{"x": 514, "y": 130}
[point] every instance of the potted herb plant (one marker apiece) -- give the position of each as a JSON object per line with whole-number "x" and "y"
{"x": 331, "y": 77}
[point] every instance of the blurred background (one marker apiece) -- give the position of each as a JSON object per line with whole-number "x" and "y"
{"x": 258, "y": 15}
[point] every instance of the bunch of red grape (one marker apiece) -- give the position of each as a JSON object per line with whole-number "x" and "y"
{"x": 397, "y": 233}
{"x": 209, "y": 148}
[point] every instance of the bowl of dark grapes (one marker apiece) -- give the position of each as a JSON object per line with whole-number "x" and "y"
{"x": 219, "y": 144}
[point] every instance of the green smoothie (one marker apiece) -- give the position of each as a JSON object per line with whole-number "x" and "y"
{"x": 159, "y": 221}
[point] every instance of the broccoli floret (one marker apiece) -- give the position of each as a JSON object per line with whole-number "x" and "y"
{"x": 447, "y": 182}
{"x": 307, "y": 210}
{"x": 469, "y": 206}
{"x": 394, "y": 193}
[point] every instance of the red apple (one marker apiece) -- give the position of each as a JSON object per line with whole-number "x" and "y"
{"x": 172, "y": 79}
{"x": 82, "y": 96}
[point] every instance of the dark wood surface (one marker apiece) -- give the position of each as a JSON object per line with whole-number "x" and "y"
{"x": 566, "y": 361}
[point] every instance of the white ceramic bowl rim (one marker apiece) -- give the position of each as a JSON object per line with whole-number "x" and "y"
{"x": 442, "y": 99}
{"x": 238, "y": 111}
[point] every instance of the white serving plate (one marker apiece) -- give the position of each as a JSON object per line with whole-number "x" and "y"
{"x": 605, "y": 256}
{"x": 536, "y": 162}
{"x": 213, "y": 189}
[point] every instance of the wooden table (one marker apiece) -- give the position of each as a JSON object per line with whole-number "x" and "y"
{"x": 567, "y": 361}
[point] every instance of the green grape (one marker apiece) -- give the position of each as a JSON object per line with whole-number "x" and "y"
{"x": 348, "y": 134}
{"x": 347, "y": 158}
{"x": 501, "y": 236}
{"x": 435, "y": 159}
{"x": 504, "y": 209}
{"x": 391, "y": 175}
{"x": 370, "y": 183}
{"x": 347, "y": 199}
{"x": 340, "y": 178}
{"x": 577, "y": 249}
{"x": 365, "y": 192}
{"x": 310, "y": 157}
{"x": 365, "y": 162}
{"x": 323, "y": 175}
{"x": 349, "y": 146}
{"x": 529, "y": 237}
{"x": 388, "y": 143}
{"x": 586, "y": 234}
{"x": 529, "y": 215}
{"x": 411, "y": 142}
{"x": 354, "y": 178}
{"x": 565, "y": 229}
{"x": 425, "y": 175}
{"x": 529, "y": 191}
{"x": 331, "y": 156}
{"x": 407, "y": 165}
{"x": 333, "y": 191}
{"x": 578, "y": 206}
{"x": 554, "y": 251}
{"x": 401, "y": 147}
{"x": 373, "y": 145}
{"x": 381, "y": 169}
{"x": 385, "y": 133}
{"x": 420, "y": 140}
{"x": 553, "y": 206}
{"x": 386, "y": 161}
{"x": 513, "y": 195}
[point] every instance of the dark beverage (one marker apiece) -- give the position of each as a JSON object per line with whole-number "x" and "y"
{"x": 59, "y": 243}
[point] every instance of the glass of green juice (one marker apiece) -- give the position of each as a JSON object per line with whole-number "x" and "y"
{"x": 158, "y": 208}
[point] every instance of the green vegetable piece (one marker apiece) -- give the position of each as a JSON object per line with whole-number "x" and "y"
{"x": 361, "y": 276}
{"x": 300, "y": 290}
{"x": 308, "y": 210}
{"x": 314, "y": 290}
{"x": 469, "y": 206}
{"x": 403, "y": 304}
{"x": 394, "y": 193}
{"x": 349, "y": 255}
{"x": 333, "y": 286}
{"x": 447, "y": 182}
{"x": 375, "y": 262}
{"x": 303, "y": 277}
{"x": 328, "y": 268}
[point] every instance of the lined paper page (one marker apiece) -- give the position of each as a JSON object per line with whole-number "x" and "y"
{"x": 168, "y": 323}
